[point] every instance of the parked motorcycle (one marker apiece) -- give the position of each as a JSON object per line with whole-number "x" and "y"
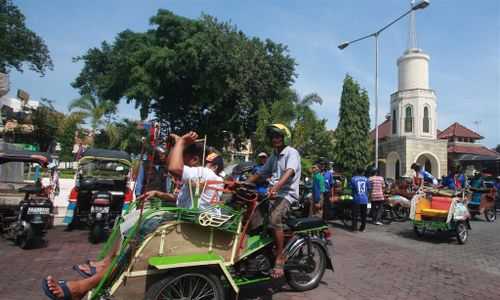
{"x": 23, "y": 218}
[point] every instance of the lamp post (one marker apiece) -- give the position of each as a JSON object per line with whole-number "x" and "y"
{"x": 420, "y": 5}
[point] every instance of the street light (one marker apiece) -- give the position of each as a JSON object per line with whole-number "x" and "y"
{"x": 420, "y": 5}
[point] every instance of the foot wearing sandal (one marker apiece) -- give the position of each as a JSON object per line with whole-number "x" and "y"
{"x": 61, "y": 290}
{"x": 278, "y": 270}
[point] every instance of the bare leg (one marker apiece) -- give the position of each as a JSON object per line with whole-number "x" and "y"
{"x": 279, "y": 239}
{"x": 102, "y": 264}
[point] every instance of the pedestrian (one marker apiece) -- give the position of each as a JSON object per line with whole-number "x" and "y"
{"x": 158, "y": 174}
{"x": 360, "y": 186}
{"x": 317, "y": 198}
{"x": 377, "y": 185}
{"x": 324, "y": 164}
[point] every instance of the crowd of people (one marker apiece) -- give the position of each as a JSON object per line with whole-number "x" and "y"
{"x": 277, "y": 176}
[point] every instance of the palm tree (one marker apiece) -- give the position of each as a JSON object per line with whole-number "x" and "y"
{"x": 93, "y": 108}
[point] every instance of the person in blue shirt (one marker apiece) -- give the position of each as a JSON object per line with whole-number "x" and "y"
{"x": 324, "y": 164}
{"x": 455, "y": 180}
{"x": 261, "y": 184}
{"x": 360, "y": 186}
{"x": 158, "y": 178}
{"x": 422, "y": 176}
{"x": 477, "y": 182}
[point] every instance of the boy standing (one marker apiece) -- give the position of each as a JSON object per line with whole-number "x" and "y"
{"x": 360, "y": 186}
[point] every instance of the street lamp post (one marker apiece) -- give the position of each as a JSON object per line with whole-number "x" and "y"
{"x": 420, "y": 5}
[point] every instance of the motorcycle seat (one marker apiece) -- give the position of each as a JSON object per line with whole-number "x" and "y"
{"x": 305, "y": 223}
{"x": 31, "y": 189}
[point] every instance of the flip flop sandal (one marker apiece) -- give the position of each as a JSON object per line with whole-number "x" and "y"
{"x": 62, "y": 284}
{"x": 93, "y": 271}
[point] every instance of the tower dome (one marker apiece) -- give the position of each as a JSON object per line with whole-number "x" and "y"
{"x": 413, "y": 70}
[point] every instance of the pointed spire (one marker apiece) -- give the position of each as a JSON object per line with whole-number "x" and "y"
{"x": 412, "y": 33}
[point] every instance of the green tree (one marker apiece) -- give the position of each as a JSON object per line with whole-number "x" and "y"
{"x": 122, "y": 135}
{"x": 45, "y": 126}
{"x": 70, "y": 128}
{"x": 18, "y": 44}
{"x": 352, "y": 141}
{"x": 91, "y": 107}
{"x": 181, "y": 67}
{"x": 309, "y": 134}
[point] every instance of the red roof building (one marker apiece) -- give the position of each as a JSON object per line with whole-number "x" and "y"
{"x": 459, "y": 132}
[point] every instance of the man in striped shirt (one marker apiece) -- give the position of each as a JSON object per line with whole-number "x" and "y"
{"x": 377, "y": 185}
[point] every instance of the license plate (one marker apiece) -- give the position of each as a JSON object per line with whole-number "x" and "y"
{"x": 99, "y": 209}
{"x": 38, "y": 210}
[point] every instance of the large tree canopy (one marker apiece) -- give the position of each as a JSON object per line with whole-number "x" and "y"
{"x": 181, "y": 67}
{"x": 18, "y": 44}
{"x": 352, "y": 142}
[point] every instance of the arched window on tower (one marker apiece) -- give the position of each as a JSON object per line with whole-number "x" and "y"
{"x": 394, "y": 122}
{"x": 426, "y": 120}
{"x": 409, "y": 119}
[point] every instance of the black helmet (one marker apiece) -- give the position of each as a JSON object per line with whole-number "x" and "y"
{"x": 455, "y": 164}
{"x": 415, "y": 167}
{"x": 372, "y": 171}
{"x": 159, "y": 149}
{"x": 323, "y": 161}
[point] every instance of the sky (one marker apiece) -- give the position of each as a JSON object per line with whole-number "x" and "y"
{"x": 462, "y": 38}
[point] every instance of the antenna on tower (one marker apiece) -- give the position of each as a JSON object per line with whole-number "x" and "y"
{"x": 412, "y": 33}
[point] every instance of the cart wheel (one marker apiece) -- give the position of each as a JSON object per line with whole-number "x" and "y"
{"x": 490, "y": 214}
{"x": 461, "y": 232}
{"x": 419, "y": 232}
{"x": 193, "y": 283}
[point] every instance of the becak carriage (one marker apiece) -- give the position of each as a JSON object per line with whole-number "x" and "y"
{"x": 101, "y": 191}
{"x": 441, "y": 210}
{"x": 177, "y": 253}
{"x": 483, "y": 202}
{"x": 26, "y": 206}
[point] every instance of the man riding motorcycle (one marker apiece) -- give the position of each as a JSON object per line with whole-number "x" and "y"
{"x": 283, "y": 168}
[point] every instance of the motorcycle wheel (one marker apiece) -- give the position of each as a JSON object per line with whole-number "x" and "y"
{"x": 401, "y": 214}
{"x": 26, "y": 238}
{"x": 419, "y": 232}
{"x": 387, "y": 215}
{"x": 96, "y": 234}
{"x": 301, "y": 281}
{"x": 461, "y": 232}
{"x": 194, "y": 283}
{"x": 490, "y": 214}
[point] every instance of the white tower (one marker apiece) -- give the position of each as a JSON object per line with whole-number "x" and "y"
{"x": 413, "y": 106}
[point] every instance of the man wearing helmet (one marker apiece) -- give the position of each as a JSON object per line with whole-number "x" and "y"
{"x": 422, "y": 176}
{"x": 455, "y": 180}
{"x": 283, "y": 169}
{"x": 157, "y": 173}
{"x": 477, "y": 182}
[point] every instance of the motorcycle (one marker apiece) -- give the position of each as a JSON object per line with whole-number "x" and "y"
{"x": 23, "y": 218}
{"x": 197, "y": 254}
{"x": 101, "y": 192}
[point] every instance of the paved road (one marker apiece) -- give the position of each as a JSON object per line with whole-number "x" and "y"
{"x": 385, "y": 262}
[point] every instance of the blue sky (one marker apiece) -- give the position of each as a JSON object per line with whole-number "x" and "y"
{"x": 462, "y": 38}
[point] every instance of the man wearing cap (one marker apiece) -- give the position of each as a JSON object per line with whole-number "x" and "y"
{"x": 261, "y": 183}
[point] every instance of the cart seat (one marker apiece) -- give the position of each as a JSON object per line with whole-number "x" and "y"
{"x": 31, "y": 189}
{"x": 476, "y": 198}
{"x": 305, "y": 223}
{"x": 429, "y": 212}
